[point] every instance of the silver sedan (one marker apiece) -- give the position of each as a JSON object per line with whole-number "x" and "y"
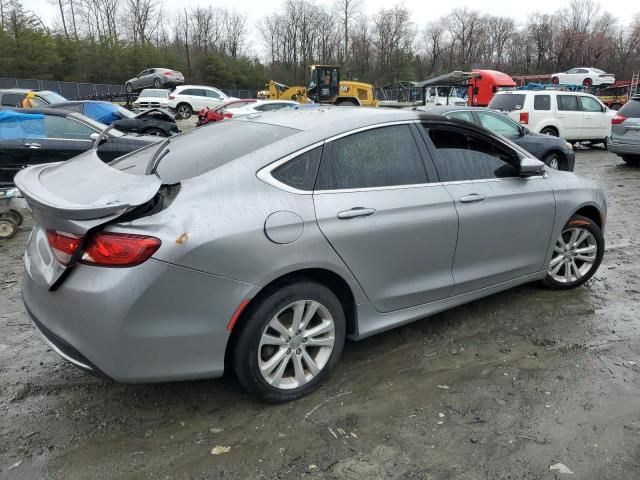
{"x": 259, "y": 244}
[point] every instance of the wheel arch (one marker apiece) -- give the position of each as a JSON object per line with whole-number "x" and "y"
{"x": 340, "y": 100}
{"x": 592, "y": 212}
{"x": 330, "y": 279}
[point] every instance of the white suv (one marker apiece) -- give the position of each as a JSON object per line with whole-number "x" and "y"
{"x": 187, "y": 99}
{"x": 573, "y": 116}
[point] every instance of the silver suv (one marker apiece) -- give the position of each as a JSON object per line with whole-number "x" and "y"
{"x": 625, "y": 132}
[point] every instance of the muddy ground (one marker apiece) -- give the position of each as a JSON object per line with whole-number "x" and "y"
{"x": 501, "y": 388}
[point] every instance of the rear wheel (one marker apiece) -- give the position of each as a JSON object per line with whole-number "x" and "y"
{"x": 14, "y": 215}
{"x": 289, "y": 341}
{"x": 155, "y": 132}
{"x": 129, "y": 88}
{"x": 555, "y": 80}
{"x": 587, "y": 82}
{"x": 8, "y": 228}
{"x": 347, "y": 103}
{"x": 184, "y": 111}
{"x": 577, "y": 254}
{"x": 549, "y": 131}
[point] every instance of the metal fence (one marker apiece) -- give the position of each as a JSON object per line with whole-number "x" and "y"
{"x": 76, "y": 91}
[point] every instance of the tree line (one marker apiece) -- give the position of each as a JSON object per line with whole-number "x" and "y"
{"x": 108, "y": 41}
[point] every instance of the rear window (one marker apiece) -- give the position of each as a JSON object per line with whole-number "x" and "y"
{"x": 631, "y": 109}
{"x": 507, "y": 102}
{"x": 204, "y": 149}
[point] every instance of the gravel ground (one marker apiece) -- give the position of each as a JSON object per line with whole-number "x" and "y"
{"x": 501, "y": 388}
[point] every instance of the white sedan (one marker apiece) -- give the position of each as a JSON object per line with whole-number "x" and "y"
{"x": 264, "y": 106}
{"x": 588, "y": 77}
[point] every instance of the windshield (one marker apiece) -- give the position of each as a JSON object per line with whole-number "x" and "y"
{"x": 155, "y": 93}
{"x": 507, "y": 102}
{"x": 52, "y": 97}
{"x": 193, "y": 153}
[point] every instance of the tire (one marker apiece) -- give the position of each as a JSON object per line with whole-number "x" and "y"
{"x": 549, "y": 131}
{"x": 184, "y": 111}
{"x": 14, "y": 215}
{"x": 587, "y": 82}
{"x": 635, "y": 161}
{"x": 155, "y": 132}
{"x": 555, "y": 80}
{"x": 579, "y": 249}
{"x": 249, "y": 352}
{"x": 8, "y": 228}
{"x": 129, "y": 88}
{"x": 555, "y": 160}
{"x": 157, "y": 83}
{"x": 616, "y": 106}
{"x": 347, "y": 103}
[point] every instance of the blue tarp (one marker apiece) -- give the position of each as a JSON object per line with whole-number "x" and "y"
{"x": 21, "y": 125}
{"x": 102, "y": 112}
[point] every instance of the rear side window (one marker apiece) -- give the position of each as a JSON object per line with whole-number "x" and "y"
{"x": 193, "y": 153}
{"x": 461, "y": 115}
{"x": 300, "y": 173}
{"x": 507, "y": 102}
{"x": 193, "y": 91}
{"x": 12, "y": 99}
{"x": 381, "y": 157}
{"x": 631, "y": 109}
{"x": 542, "y": 102}
{"x": 568, "y": 103}
{"x": 461, "y": 156}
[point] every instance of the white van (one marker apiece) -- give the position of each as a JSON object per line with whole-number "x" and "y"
{"x": 573, "y": 116}
{"x": 443, "y": 95}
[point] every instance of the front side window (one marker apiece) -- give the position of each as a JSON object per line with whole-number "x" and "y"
{"x": 300, "y": 173}
{"x": 499, "y": 124}
{"x": 589, "y": 104}
{"x": 542, "y": 102}
{"x": 462, "y": 156}
{"x": 568, "y": 103}
{"x": 572, "y": 71}
{"x": 461, "y": 115}
{"x": 381, "y": 157}
{"x": 61, "y": 127}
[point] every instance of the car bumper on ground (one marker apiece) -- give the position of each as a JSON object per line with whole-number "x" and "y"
{"x": 154, "y": 322}
{"x": 623, "y": 148}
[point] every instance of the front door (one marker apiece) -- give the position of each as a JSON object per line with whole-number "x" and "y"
{"x": 570, "y": 117}
{"x": 394, "y": 230}
{"x": 505, "y": 220}
{"x": 596, "y": 124}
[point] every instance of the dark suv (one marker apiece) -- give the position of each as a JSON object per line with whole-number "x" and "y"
{"x": 625, "y": 132}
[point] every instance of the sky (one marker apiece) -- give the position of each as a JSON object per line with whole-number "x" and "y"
{"x": 422, "y": 11}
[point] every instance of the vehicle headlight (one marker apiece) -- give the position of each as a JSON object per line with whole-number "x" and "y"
{"x": 569, "y": 146}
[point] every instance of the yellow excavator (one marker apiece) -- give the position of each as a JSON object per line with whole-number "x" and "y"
{"x": 325, "y": 87}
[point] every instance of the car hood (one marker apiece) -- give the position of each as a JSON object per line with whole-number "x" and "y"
{"x": 156, "y": 113}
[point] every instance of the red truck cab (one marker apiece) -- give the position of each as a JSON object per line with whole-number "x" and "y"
{"x": 482, "y": 88}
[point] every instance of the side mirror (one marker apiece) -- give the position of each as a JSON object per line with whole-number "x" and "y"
{"x": 530, "y": 167}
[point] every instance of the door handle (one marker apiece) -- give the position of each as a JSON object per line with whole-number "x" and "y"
{"x": 472, "y": 198}
{"x": 356, "y": 212}
{"x": 33, "y": 145}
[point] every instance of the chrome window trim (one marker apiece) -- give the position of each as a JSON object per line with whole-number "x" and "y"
{"x": 265, "y": 173}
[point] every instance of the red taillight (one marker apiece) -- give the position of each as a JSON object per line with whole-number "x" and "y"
{"x": 63, "y": 245}
{"x": 618, "y": 119}
{"x": 171, "y": 97}
{"x": 168, "y": 74}
{"x": 108, "y": 249}
{"x": 524, "y": 118}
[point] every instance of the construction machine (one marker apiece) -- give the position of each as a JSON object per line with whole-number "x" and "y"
{"x": 325, "y": 87}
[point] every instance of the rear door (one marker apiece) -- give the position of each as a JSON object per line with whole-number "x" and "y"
{"x": 505, "y": 221}
{"x": 379, "y": 206}
{"x": 570, "y": 116}
{"x": 597, "y": 123}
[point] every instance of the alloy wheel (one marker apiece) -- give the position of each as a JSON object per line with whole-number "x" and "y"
{"x": 574, "y": 255}
{"x": 553, "y": 162}
{"x": 184, "y": 112}
{"x": 296, "y": 344}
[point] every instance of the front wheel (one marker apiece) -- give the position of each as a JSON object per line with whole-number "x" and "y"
{"x": 129, "y": 88}
{"x": 549, "y": 131}
{"x": 289, "y": 341}
{"x": 555, "y": 80}
{"x": 587, "y": 82}
{"x": 8, "y": 228}
{"x": 577, "y": 254}
{"x": 157, "y": 83}
{"x": 155, "y": 132}
{"x": 347, "y": 103}
{"x": 14, "y": 215}
{"x": 554, "y": 160}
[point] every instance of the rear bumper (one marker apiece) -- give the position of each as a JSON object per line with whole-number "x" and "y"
{"x": 154, "y": 322}
{"x": 623, "y": 148}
